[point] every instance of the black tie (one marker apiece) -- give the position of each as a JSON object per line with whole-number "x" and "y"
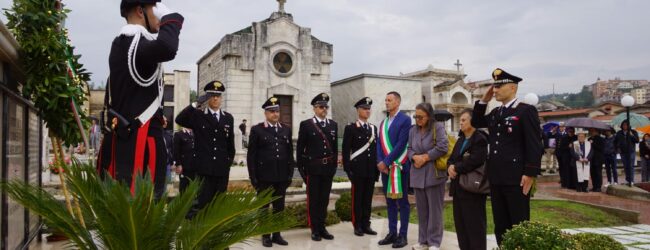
{"x": 216, "y": 117}
{"x": 322, "y": 124}
{"x": 365, "y": 126}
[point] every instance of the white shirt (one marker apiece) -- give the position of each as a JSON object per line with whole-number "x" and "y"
{"x": 392, "y": 118}
{"x": 509, "y": 103}
{"x": 318, "y": 120}
{"x": 218, "y": 112}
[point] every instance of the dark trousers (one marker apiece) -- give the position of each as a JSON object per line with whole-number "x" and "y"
{"x": 563, "y": 165}
{"x": 185, "y": 180}
{"x": 279, "y": 190}
{"x": 573, "y": 176}
{"x": 470, "y": 219}
{"x": 628, "y": 164}
{"x": 509, "y": 208}
{"x": 400, "y": 205}
{"x": 211, "y": 187}
{"x": 596, "y": 172}
{"x": 362, "y": 190}
{"x": 610, "y": 168}
{"x": 318, "y": 198}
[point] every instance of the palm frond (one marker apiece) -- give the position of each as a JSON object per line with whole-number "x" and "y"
{"x": 117, "y": 219}
{"x": 232, "y": 217}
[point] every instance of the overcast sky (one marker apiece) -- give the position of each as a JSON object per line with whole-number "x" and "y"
{"x": 566, "y": 43}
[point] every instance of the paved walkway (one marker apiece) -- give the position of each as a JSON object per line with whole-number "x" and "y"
{"x": 345, "y": 239}
{"x": 633, "y": 237}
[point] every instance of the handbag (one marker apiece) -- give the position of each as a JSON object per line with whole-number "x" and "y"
{"x": 441, "y": 162}
{"x": 475, "y": 181}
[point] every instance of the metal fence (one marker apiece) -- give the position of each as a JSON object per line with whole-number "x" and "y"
{"x": 21, "y": 149}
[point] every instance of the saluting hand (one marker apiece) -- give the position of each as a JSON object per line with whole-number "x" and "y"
{"x": 526, "y": 184}
{"x": 488, "y": 95}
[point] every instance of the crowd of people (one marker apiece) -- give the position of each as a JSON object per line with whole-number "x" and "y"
{"x": 581, "y": 155}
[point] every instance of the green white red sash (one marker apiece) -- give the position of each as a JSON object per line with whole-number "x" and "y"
{"x": 394, "y": 188}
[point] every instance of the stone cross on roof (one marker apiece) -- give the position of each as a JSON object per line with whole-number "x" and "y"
{"x": 281, "y": 5}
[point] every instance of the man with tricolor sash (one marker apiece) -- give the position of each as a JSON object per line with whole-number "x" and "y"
{"x": 394, "y": 165}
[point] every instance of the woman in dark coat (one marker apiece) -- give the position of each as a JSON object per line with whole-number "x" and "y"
{"x": 469, "y": 153}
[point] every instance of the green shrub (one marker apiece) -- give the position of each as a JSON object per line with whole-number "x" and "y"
{"x": 299, "y": 213}
{"x": 338, "y": 179}
{"x": 530, "y": 235}
{"x": 592, "y": 241}
{"x": 343, "y": 206}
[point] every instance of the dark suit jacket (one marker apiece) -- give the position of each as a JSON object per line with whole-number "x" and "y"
{"x": 476, "y": 149}
{"x": 214, "y": 141}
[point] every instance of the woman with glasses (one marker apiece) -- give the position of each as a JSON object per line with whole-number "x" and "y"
{"x": 428, "y": 142}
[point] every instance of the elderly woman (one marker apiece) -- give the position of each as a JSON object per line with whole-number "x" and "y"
{"x": 428, "y": 142}
{"x": 469, "y": 154}
{"x": 582, "y": 155}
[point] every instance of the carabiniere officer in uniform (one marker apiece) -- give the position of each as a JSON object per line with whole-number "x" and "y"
{"x": 214, "y": 142}
{"x": 270, "y": 160}
{"x": 515, "y": 151}
{"x": 359, "y": 151}
{"x": 317, "y": 151}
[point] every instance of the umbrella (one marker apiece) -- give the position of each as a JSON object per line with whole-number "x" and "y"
{"x": 586, "y": 123}
{"x": 636, "y": 120}
{"x": 644, "y": 129}
{"x": 441, "y": 115}
{"x": 549, "y": 125}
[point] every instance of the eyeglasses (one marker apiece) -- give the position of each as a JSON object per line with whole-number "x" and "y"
{"x": 323, "y": 107}
{"x": 418, "y": 117}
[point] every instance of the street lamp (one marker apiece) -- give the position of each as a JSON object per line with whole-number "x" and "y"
{"x": 531, "y": 99}
{"x": 627, "y": 101}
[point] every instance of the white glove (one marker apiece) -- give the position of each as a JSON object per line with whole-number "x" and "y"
{"x": 161, "y": 10}
{"x": 194, "y": 105}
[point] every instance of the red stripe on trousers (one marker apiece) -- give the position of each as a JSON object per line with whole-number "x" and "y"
{"x": 138, "y": 163}
{"x": 308, "y": 215}
{"x": 111, "y": 166}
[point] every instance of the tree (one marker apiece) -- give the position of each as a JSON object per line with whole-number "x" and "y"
{"x": 193, "y": 96}
{"x": 55, "y": 80}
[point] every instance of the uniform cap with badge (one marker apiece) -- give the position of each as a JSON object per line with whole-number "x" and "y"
{"x": 364, "y": 103}
{"x": 320, "y": 100}
{"x": 271, "y": 104}
{"x": 214, "y": 88}
{"x": 501, "y": 77}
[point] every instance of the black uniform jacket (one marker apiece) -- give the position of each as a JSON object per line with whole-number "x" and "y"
{"x": 214, "y": 142}
{"x": 317, "y": 153}
{"x": 184, "y": 151}
{"x": 270, "y": 153}
{"x": 127, "y": 97}
{"x": 354, "y": 138}
{"x": 515, "y": 144}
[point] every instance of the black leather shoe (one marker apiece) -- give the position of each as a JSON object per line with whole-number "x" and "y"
{"x": 326, "y": 235}
{"x": 368, "y": 230}
{"x": 266, "y": 241}
{"x": 277, "y": 239}
{"x": 315, "y": 237}
{"x": 358, "y": 232}
{"x": 389, "y": 239}
{"x": 400, "y": 242}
